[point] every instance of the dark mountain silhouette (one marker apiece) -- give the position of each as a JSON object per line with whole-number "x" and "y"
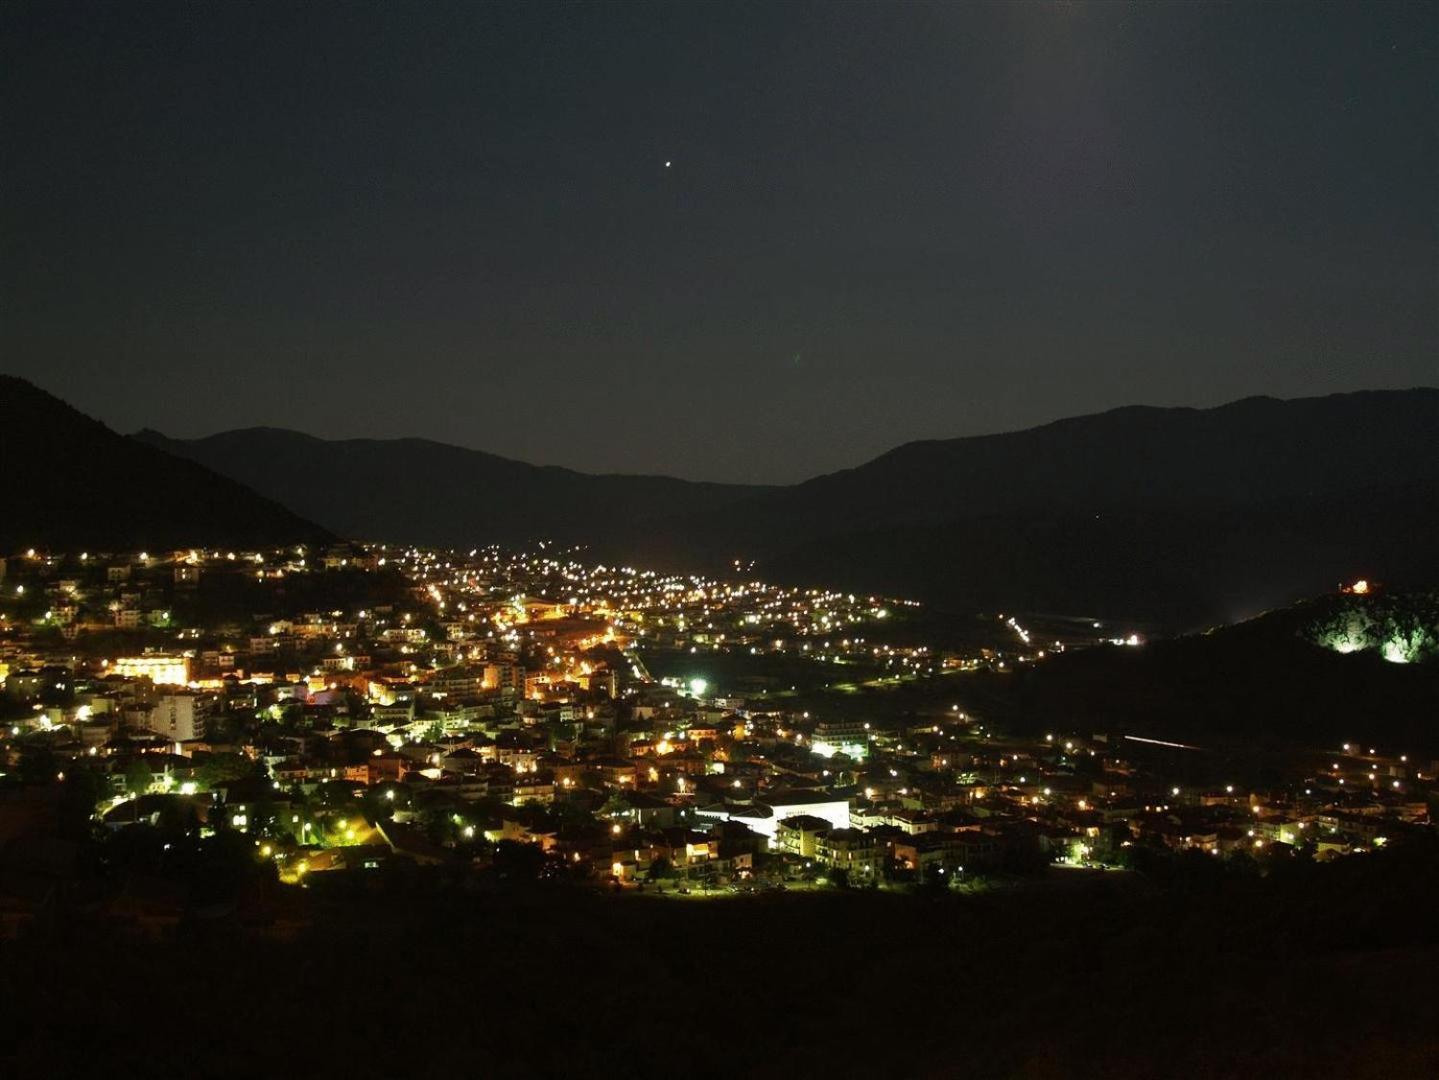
{"x": 1174, "y": 566}
{"x": 70, "y": 482}
{"x": 424, "y": 492}
{"x": 1179, "y": 516}
{"x": 1246, "y": 452}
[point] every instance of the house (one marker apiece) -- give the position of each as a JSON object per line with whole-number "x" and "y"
{"x": 799, "y": 834}
{"x": 615, "y": 772}
{"x": 411, "y": 843}
{"x": 858, "y": 851}
{"x": 533, "y": 789}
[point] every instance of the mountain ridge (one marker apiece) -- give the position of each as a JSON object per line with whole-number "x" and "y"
{"x": 417, "y": 490}
{"x": 1066, "y": 422}
{"x": 1179, "y": 515}
{"x": 73, "y": 482}
{"x": 154, "y": 436}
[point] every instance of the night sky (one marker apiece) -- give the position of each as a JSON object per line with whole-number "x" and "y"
{"x": 877, "y": 223}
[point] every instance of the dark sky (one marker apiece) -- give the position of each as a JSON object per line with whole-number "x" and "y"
{"x": 881, "y": 222}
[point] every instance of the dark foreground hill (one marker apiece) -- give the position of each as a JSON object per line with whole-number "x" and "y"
{"x": 424, "y": 492}
{"x": 70, "y": 482}
{"x": 1182, "y": 517}
{"x": 1309, "y": 971}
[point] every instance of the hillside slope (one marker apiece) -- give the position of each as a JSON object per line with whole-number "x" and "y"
{"x": 70, "y": 482}
{"x": 1179, "y": 516}
{"x": 1316, "y": 674}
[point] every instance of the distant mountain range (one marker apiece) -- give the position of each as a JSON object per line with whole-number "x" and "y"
{"x": 1183, "y": 517}
{"x": 1180, "y": 516}
{"x": 424, "y": 492}
{"x": 72, "y": 483}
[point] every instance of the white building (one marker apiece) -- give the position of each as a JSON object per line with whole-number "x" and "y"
{"x": 179, "y": 717}
{"x": 768, "y": 810}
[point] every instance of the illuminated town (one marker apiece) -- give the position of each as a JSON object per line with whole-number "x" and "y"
{"x": 494, "y": 713}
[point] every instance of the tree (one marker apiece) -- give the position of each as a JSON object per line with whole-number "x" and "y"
{"x": 518, "y": 862}
{"x": 83, "y": 790}
{"x": 615, "y": 806}
{"x": 893, "y": 871}
{"x": 934, "y": 878}
{"x": 138, "y": 776}
{"x": 220, "y": 768}
{"x": 839, "y": 877}
{"x": 38, "y": 764}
